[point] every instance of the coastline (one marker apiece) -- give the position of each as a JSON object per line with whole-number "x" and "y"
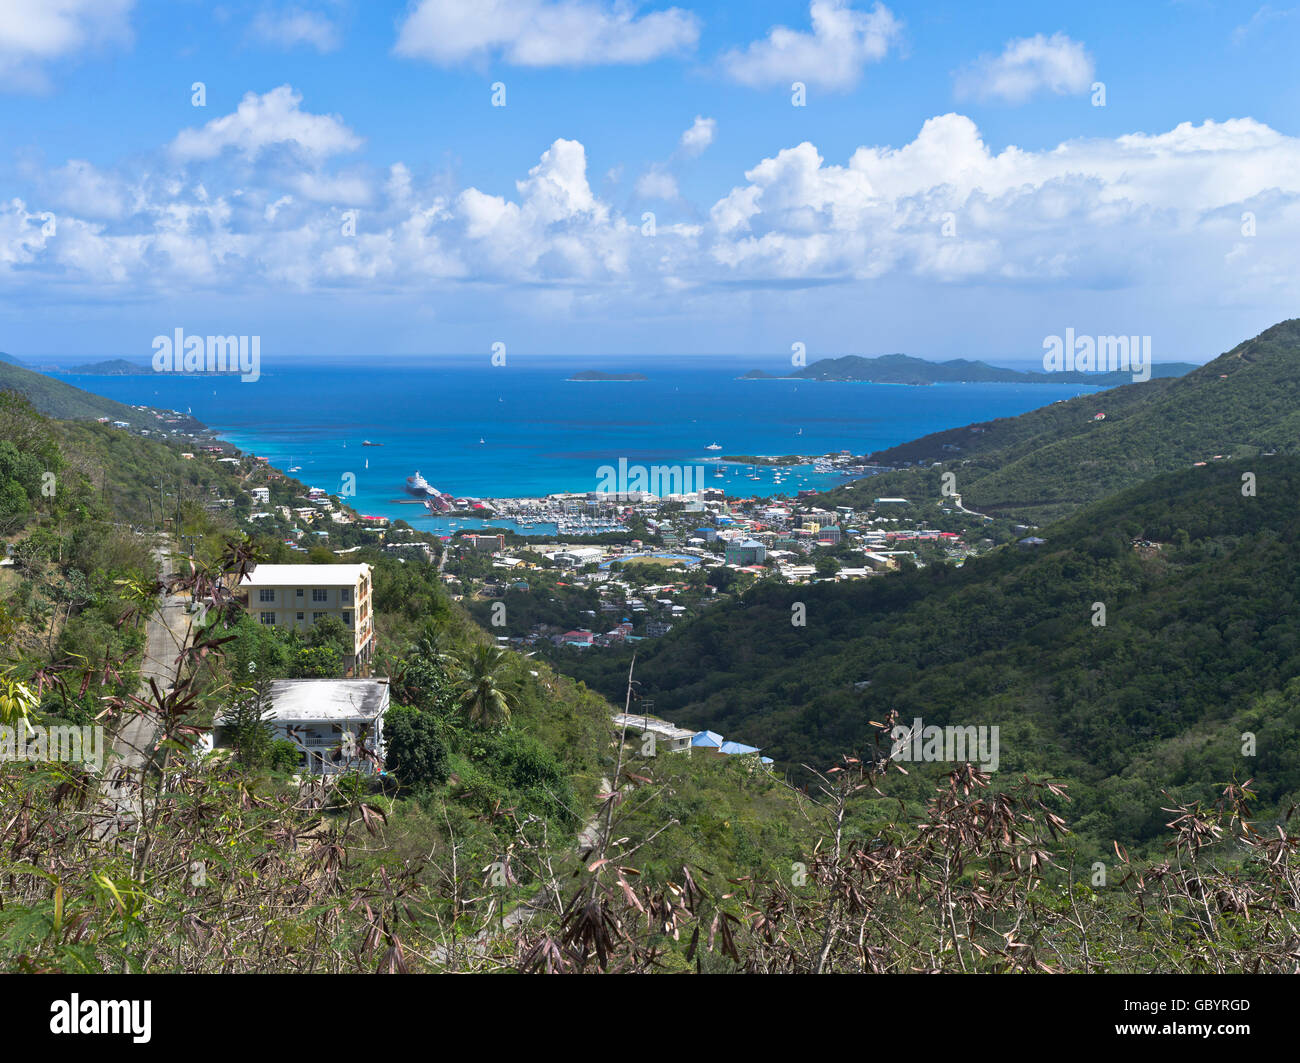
{"x": 540, "y": 437}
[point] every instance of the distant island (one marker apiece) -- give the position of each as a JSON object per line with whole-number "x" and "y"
{"x": 596, "y": 374}
{"x": 113, "y": 367}
{"x": 904, "y": 369}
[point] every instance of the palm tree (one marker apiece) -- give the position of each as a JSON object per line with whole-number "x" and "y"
{"x": 480, "y": 689}
{"x": 431, "y": 646}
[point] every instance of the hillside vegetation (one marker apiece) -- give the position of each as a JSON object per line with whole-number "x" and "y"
{"x": 1201, "y": 643}
{"x": 54, "y": 398}
{"x": 515, "y": 832}
{"x": 1045, "y": 463}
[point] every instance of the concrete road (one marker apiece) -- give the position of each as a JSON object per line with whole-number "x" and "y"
{"x": 165, "y": 633}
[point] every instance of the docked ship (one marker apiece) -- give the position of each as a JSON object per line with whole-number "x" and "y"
{"x": 417, "y": 485}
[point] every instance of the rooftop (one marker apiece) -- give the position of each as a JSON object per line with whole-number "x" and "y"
{"x": 327, "y": 699}
{"x": 305, "y": 575}
{"x": 652, "y": 723}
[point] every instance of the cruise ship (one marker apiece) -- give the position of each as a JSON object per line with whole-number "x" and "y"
{"x": 417, "y": 485}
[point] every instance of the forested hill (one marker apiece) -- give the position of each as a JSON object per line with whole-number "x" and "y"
{"x": 54, "y": 398}
{"x": 1047, "y": 462}
{"x": 1201, "y": 643}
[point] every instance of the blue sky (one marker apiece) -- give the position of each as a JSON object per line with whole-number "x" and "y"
{"x": 950, "y": 188}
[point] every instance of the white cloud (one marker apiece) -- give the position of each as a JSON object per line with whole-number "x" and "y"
{"x": 80, "y": 188}
{"x": 1259, "y": 20}
{"x": 842, "y": 42}
{"x": 34, "y": 33}
{"x": 1071, "y": 214}
{"x": 558, "y": 228}
{"x": 656, "y": 184}
{"x": 539, "y": 33}
{"x": 263, "y": 121}
{"x": 1152, "y": 212}
{"x": 350, "y": 189}
{"x": 660, "y": 180}
{"x": 287, "y": 29}
{"x": 696, "y": 139}
{"x": 1028, "y": 66}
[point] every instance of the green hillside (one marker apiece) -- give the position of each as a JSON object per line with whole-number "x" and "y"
{"x": 1046, "y": 463}
{"x": 702, "y": 863}
{"x": 54, "y": 398}
{"x": 1201, "y": 644}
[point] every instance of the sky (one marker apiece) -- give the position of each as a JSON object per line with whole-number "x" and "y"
{"x": 599, "y": 177}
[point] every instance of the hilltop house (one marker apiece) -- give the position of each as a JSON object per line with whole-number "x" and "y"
{"x": 337, "y": 724}
{"x": 672, "y": 738}
{"x": 296, "y": 596}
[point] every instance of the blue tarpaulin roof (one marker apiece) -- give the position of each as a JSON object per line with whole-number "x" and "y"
{"x": 737, "y": 747}
{"x": 707, "y": 738}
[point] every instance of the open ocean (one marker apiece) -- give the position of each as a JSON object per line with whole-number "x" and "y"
{"x": 542, "y": 433}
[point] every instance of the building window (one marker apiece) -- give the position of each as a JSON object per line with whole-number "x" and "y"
{"x": 298, "y": 592}
{"x": 318, "y": 595}
{"x": 316, "y": 616}
{"x": 300, "y": 617}
{"x": 347, "y": 617}
{"x": 268, "y": 619}
{"x": 266, "y": 594}
{"x": 346, "y": 594}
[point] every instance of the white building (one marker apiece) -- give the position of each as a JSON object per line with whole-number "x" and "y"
{"x": 671, "y": 737}
{"x": 337, "y": 724}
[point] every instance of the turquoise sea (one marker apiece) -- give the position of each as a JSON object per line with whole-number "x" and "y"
{"x": 472, "y": 428}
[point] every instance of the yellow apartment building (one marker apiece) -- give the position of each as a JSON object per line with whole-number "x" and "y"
{"x": 296, "y": 596}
